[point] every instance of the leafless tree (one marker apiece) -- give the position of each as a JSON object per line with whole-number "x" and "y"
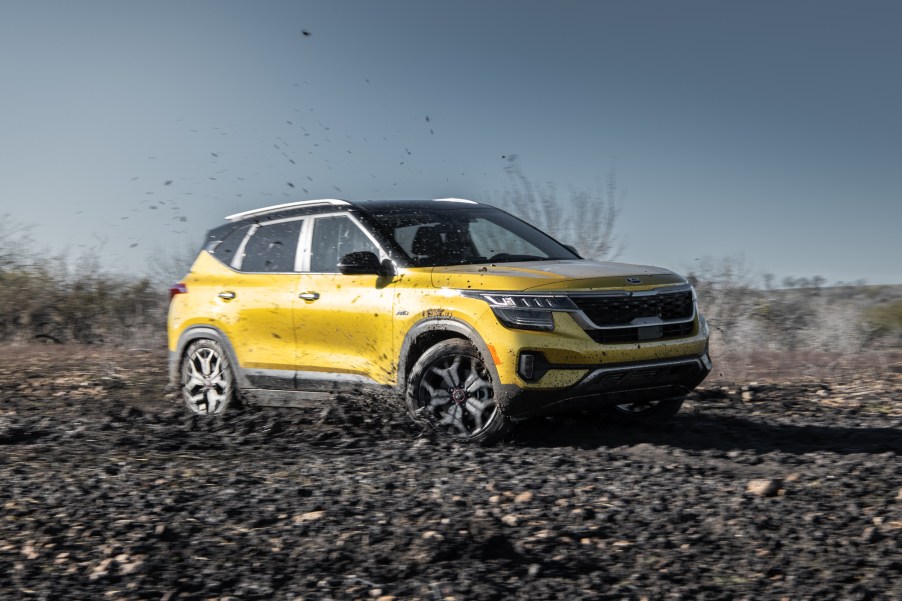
{"x": 584, "y": 218}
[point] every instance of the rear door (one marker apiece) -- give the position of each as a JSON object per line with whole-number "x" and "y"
{"x": 262, "y": 302}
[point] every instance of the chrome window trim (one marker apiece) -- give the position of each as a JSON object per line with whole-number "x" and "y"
{"x": 238, "y": 259}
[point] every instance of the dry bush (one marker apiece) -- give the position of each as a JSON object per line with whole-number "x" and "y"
{"x": 802, "y": 330}
{"x": 584, "y": 218}
{"x": 884, "y": 322}
{"x": 57, "y": 300}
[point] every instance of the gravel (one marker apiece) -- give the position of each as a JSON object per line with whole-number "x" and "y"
{"x": 109, "y": 491}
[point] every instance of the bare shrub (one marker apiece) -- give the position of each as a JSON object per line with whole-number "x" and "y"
{"x": 167, "y": 267}
{"x": 584, "y": 218}
{"x": 725, "y": 291}
{"x": 884, "y": 322}
{"x": 57, "y": 300}
{"x": 800, "y": 330}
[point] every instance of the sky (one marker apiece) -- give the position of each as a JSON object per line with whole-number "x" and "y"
{"x": 767, "y": 133}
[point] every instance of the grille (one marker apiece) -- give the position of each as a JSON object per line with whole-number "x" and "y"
{"x": 612, "y": 311}
{"x": 621, "y": 335}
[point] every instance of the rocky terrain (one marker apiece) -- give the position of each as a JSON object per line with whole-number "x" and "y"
{"x": 771, "y": 490}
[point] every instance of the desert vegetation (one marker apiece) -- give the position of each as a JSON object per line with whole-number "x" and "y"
{"x": 798, "y": 327}
{"x": 66, "y": 298}
{"x": 802, "y": 329}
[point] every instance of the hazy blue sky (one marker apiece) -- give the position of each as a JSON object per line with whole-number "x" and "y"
{"x": 771, "y": 130}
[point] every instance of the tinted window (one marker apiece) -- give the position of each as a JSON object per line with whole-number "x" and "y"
{"x": 333, "y": 238}
{"x": 272, "y": 248}
{"x": 225, "y": 250}
{"x": 491, "y": 239}
{"x": 459, "y": 235}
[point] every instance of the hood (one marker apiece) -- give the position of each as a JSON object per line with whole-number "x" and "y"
{"x": 578, "y": 274}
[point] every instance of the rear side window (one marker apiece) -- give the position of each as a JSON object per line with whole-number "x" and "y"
{"x": 226, "y": 249}
{"x": 272, "y": 248}
{"x": 333, "y": 238}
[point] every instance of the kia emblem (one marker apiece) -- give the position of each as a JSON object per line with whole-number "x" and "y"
{"x": 634, "y": 280}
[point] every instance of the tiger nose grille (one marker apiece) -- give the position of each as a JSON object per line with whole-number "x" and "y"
{"x": 612, "y": 311}
{"x": 622, "y": 335}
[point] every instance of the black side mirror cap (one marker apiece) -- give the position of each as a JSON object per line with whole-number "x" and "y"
{"x": 364, "y": 263}
{"x": 572, "y": 249}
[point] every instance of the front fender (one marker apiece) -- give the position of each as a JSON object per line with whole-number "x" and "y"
{"x": 440, "y": 324}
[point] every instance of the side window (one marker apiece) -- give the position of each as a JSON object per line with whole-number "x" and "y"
{"x": 404, "y": 236}
{"x": 272, "y": 248}
{"x": 333, "y": 238}
{"x": 226, "y": 249}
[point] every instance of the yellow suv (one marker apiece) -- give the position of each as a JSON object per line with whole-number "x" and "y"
{"x": 475, "y": 317}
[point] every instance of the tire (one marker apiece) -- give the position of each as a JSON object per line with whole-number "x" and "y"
{"x": 450, "y": 389}
{"x": 206, "y": 379}
{"x": 647, "y": 413}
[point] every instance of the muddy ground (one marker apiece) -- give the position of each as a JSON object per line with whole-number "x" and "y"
{"x": 772, "y": 490}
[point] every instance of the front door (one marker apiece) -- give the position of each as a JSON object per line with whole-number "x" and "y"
{"x": 343, "y": 322}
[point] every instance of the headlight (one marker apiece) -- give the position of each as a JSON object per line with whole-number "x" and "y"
{"x": 524, "y": 311}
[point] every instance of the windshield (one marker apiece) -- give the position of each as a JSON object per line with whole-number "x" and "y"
{"x": 465, "y": 235}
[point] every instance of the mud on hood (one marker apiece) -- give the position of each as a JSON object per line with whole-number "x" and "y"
{"x": 552, "y": 275}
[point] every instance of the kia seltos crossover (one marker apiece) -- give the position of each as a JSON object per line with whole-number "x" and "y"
{"x": 474, "y": 317}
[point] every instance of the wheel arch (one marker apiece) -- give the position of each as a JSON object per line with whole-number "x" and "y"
{"x": 200, "y": 333}
{"x": 429, "y": 332}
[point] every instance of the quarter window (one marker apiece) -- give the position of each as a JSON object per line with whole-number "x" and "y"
{"x": 272, "y": 248}
{"x": 333, "y": 238}
{"x": 225, "y": 250}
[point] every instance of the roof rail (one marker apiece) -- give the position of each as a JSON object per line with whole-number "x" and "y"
{"x": 470, "y": 202}
{"x": 287, "y": 205}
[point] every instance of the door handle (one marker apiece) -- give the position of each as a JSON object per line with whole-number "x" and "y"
{"x": 309, "y": 296}
{"x": 227, "y": 295}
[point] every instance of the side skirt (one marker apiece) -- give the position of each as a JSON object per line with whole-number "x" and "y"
{"x": 264, "y": 397}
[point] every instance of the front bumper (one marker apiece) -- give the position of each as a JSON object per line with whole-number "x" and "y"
{"x": 606, "y": 385}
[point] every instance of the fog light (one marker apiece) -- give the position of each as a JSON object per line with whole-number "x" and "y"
{"x": 526, "y": 366}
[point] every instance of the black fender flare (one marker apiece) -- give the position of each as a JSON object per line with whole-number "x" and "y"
{"x": 210, "y": 333}
{"x": 442, "y": 324}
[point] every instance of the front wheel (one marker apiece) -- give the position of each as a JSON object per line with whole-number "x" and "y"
{"x": 207, "y": 381}
{"x": 451, "y": 389}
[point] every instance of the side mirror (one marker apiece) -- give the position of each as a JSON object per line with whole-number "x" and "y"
{"x": 364, "y": 263}
{"x": 573, "y": 250}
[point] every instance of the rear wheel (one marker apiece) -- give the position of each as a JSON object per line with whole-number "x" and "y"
{"x": 451, "y": 389}
{"x": 647, "y": 412}
{"x": 207, "y": 381}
